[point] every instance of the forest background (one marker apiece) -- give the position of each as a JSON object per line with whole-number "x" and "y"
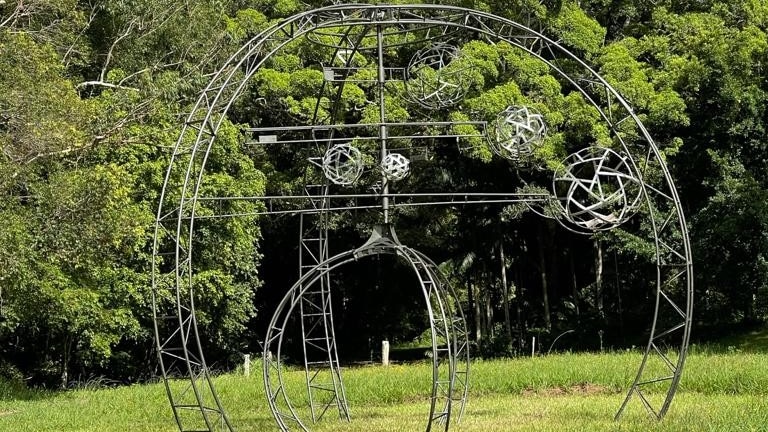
{"x": 92, "y": 96}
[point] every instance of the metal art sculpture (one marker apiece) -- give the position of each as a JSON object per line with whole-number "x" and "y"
{"x": 450, "y": 362}
{"x": 518, "y": 130}
{"x": 395, "y": 166}
{"x": 436, "y": 78}
{"x": 597, "y": 189}
{"x": 343, "y": 164}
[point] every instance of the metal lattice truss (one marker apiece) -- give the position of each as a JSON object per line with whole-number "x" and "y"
{"x": 325, "y": 387}
{"x": 593, "y": 200}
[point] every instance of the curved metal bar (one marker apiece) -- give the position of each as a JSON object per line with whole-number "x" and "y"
{"x": 277, "y": 325}
{"x": 459, "y": 339}
{"x": 447, "y": 31}
{"x": 355, "y": 47}
{"x": 441, "y": 327}
{"x": 673, "y": 260}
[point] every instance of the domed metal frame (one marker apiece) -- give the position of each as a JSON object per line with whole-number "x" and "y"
{"x": 196, "y": 405}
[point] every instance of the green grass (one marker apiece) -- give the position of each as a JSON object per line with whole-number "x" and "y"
{"x": 566, "y": 392}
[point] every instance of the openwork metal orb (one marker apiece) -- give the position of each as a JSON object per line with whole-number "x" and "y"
{"x": 343, "y": 164}
{"x": 597, "y": 189}
{"x": 435, "y": 77}
{"x": 395, "y": 166}
{"x": 519, "y": 129}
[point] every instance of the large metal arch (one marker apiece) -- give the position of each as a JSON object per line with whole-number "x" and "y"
{"x": 176, "y": 334}
{"x": 444, "y": 324}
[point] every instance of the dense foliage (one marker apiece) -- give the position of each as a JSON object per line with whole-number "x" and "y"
{"x": 92, "y": 94}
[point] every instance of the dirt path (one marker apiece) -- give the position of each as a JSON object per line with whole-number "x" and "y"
{"x": 585, "y": 389}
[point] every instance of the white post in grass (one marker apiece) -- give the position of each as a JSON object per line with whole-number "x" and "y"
{"x": 247, "y": 365}
{"x": 385, "y": 353}
{"x": 533, "y": 347}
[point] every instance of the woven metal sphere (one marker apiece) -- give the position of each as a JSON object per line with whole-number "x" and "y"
{"x": 597, "y": 189}
{"x": 395, "y": 166}
{"x": 518, "y": 131}
{"x": 435, "y": 79}
{"x": 343, "y": 164}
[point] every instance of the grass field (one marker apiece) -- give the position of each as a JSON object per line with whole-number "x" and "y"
{"x": 564, "y": 392}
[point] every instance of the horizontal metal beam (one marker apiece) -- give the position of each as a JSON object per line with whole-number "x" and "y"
{"x": 313, "y": 210}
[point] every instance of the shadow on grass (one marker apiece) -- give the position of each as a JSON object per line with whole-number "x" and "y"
{"x": 15, "y": 391}
{"x": 751, "y": 339}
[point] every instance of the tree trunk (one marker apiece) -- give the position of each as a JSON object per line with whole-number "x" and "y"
{"x": 488, "y": 314}
{"x": 553, "y": 269}
{"x": 599, "y": 277}
{"x": 575, "y": 287}
{"x": 520, "y": 293}
{"x": 618, "y": 294}
{"x": 519, "y": 312}
{"x": 544, "y": 284}
{"x": 475, "y": 307}
{"x": 65, "y": 362}
{"x": 505, "y": 292}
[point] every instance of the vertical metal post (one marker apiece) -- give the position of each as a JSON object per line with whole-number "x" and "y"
{"x": 382, "y": 119}
{"x": 385, "y": 353}
{"x": 325, "y": 387}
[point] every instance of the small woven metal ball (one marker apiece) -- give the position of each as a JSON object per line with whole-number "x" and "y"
{"x": 395, "y": 166}
{"x": 519, "y": 129}
{"x": 343, "y": 164}
{"x": 435, "y": 79}
{"x": 597, "y": 189}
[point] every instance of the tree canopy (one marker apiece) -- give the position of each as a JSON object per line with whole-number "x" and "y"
{"x": 93, "y": 94}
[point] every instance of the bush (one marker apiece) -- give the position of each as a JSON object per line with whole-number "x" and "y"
{"x": 12, "y": 383}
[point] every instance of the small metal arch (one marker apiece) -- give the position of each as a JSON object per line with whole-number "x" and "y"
{"x": 447, "y": 389}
